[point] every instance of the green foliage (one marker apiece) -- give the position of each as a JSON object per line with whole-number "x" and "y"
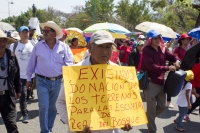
{"x": 182, "y": 18}
{"x": 158, "y": 4}
{"x": 133, "y": 13}
{"x": 180, "y": 15}
{"x": 104, "y": 10}
{"x": 76, "y": 20}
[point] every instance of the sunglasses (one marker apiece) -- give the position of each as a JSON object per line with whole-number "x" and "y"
{"x": 47, "y": 31}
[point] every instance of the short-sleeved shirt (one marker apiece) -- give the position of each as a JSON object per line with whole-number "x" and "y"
{"x": 23, "y": 53}
{"x": 180, "y": 52}
{"x": 181, "y": 100}
{"x": 3, "y": 73}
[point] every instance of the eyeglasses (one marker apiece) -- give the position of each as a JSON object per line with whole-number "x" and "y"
{"x": 3, "y": 66}
{"x": 47, "y": 31}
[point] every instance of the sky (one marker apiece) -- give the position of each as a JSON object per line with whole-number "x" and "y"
{"x": 23, "y": 5}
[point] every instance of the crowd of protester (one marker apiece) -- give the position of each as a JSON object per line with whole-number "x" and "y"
{"x": 24, "y": 68}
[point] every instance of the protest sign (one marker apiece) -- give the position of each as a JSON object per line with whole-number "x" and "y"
{"x": 114, "y": 56}
{"x": 102, "y": 97}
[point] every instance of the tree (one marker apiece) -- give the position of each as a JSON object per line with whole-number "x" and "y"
{"x": 104, "y": 10}
{"x": 76, "y": 20}
{"x": 77, "y": 9}
{"x": 182, "y": 15}
{"x": 178, "y": 16}
{"x": 133, "y": 13}
{"x": 158, "y": 3}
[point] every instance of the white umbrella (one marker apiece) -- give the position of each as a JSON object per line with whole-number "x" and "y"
{"x": 160, "y": 28}
{"x": 6, "y": 26}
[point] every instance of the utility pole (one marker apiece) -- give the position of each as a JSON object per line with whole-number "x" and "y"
{"x": 9, "y": 9}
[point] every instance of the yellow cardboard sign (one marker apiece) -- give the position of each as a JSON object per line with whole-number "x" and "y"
{"x": 102, "y": 97}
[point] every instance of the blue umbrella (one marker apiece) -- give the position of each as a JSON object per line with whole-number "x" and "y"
{"x": 195, "y": 33}
{"x": 165, "y": 39}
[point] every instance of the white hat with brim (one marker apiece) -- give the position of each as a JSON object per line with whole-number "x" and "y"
{"x": 141, "y": 37}
{"x": 10, "y": 40}
{"x": 54, "y": 26}
{"x": 101, "y": 37}
{"x": 15, "y": 35}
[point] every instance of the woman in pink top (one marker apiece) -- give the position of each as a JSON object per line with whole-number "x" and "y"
{"x": 183, "y": 41}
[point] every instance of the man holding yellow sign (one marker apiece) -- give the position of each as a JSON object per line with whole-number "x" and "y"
{"x": 100, "y": 96}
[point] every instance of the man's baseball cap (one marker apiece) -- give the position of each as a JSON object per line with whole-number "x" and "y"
{"x": 31, "y": 28}
{"x": 101, "y": 37}
{"x": 22, "y": 28}
{"x": 152, "y": 34}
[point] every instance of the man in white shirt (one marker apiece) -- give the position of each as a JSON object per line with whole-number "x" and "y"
{"x": 100, "y": 48}
{"x": 23, "y": 49}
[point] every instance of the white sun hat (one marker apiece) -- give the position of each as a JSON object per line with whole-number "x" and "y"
{"x": 53, "y": 25}
{"x": 15, "y": 35}
{"x": 10, "y": 40}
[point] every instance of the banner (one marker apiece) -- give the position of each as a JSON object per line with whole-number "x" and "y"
{"x": 102, "y": 97}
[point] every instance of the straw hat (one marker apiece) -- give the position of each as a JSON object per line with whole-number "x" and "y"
{"x": 10, "y": 40}
{"x": 54, "y": 26}
{"x": 15, "y": 35}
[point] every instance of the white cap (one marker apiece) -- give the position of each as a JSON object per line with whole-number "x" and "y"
{"x": 15, "y": 35}
{"x": 141, "y": 37}
{"x": 101, "y": 37}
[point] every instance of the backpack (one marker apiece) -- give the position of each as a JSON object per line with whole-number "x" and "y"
{"x": 15, "y": 46}
{"x": 174, "y": 82}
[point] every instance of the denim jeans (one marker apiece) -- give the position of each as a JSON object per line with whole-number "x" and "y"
{"x": 47, "y": 91}
{"x": 23, "y": 99}
{"x": 182, "y": 112}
